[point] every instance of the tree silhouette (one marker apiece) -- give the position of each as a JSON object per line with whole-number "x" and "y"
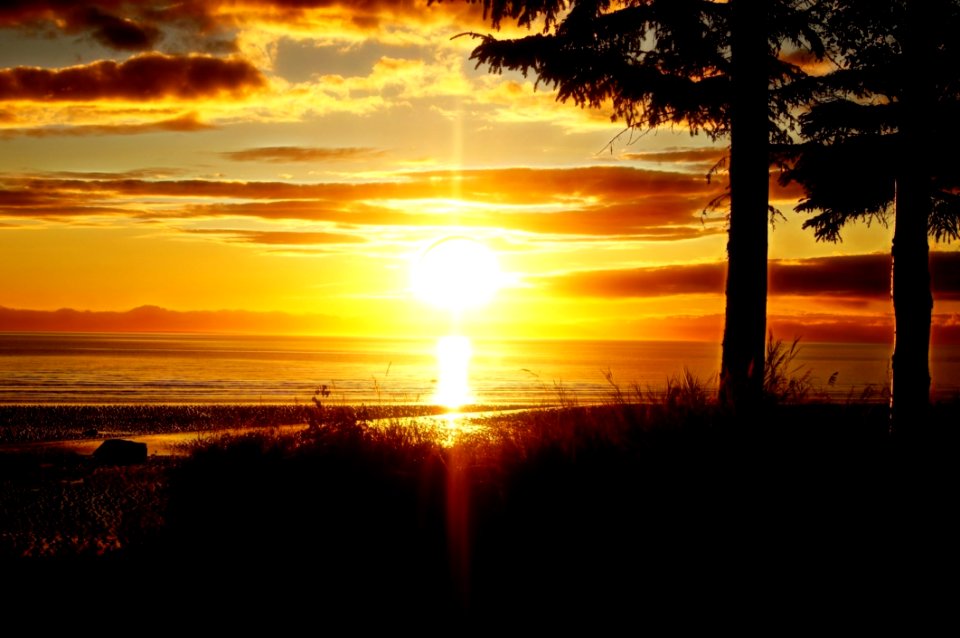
{"x": 883, "y": 133}
{"x": 712, "y": 66}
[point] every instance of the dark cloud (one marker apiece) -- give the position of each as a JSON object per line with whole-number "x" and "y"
{"x": 842, "y": 276}
{"x": 144, "y": 77}
{"x": 853, "y": 276}
{"x": 123, "y": 25}
{"x": 859, "y": 276}
{"x": 136, "y": 24}
{"x": 283, "y": 154}
{"x": 117, "y": 33}
{"x": 945, "y": 274}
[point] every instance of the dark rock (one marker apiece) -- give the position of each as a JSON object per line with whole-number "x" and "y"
{"x": 120, "y": 452}
{"x": 89, "y": 434}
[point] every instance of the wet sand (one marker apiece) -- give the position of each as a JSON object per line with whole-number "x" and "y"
{"x": 166, "y": 444}
{"x": 179, "y": 443}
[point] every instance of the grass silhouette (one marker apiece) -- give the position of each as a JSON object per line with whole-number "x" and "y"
{"x": 546, "y": 514}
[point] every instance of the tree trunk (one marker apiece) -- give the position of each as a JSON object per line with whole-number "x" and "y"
{"x": 912, "y": 298}
{"x": 741, "y": 369}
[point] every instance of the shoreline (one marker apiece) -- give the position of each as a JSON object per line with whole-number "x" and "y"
{"x": 35, "y": 423}
{"x": 81, "y": 429}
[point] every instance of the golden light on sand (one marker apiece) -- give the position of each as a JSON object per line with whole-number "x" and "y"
{"x": 453, "y": 363}
{"x": 456, "y": 273}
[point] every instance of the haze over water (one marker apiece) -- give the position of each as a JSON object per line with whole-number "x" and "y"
{"x": 162, "y": 368}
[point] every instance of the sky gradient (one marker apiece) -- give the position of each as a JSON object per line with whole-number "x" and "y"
{"x": 277, "y": 166}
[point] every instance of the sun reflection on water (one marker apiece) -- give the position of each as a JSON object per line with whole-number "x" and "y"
{"x": 453, "y": 370}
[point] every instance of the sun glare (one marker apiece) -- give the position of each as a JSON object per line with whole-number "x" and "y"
{"x": 456, "y": 273}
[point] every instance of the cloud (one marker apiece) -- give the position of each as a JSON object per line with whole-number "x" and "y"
{"x": 186, "y": 123}
{"x": 571, "y": 187}
{"x": 808, "y": 62}
{"x": 517, "y": 102}
{"x": 281, "y": 238}
{"x": 616, "y": 202}
{"x": 137, "y": 173}
{"x": 126, "y": 25}
{"x": 119, "y": 24}
{"x": 576, "y": 202}
{"x": 699, "y": 156}
{"x": 821, "y": 327}
{"x": 641, "y": 282}
{"x": 150, "y": 76}
{"x": 810, "y": 327}
{"x": 23, "y": 204}
{"x": 843, "y": 276}
{"x": 117, "y": 33}
{"x": 283, "y": 154}
{"x": 702, "y": 160}
{"x": 859, "y": 276}
{"x": 852, "y": 276}
{"x": 424, "y": 66}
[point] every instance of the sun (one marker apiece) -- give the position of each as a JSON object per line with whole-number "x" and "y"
{"x": 456, "y": 273}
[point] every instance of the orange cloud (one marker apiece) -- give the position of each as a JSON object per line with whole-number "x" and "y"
{"x": 281, "y": 238}
{"x": 618, "y": 202}
{"x": 833, "y": 328}
{"x": 50, "y": 206}
{"x": 282, "y": 154}
{"x": 150, "y": 76}
{"x": 507, "y": 186}
{"x": 641, "y": 282}
{"x": 706, "y": 156}
{"x": 181, "y": 124}
{"x": 807, "y": 62}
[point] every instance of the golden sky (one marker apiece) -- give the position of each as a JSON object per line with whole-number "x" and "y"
{"x": 276, "y": 166}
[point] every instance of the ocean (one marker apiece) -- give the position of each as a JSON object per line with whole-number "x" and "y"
{"x": 50, "y": 368}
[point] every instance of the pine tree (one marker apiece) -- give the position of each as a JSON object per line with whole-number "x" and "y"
{"x": 882, "y": 134}
{"x": 712, "y": 66}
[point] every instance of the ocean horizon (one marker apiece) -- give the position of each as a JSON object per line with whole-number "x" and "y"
{"x": 132, "y": 368}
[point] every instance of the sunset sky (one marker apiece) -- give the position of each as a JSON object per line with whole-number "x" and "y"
{"x": 278, "y": 166}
